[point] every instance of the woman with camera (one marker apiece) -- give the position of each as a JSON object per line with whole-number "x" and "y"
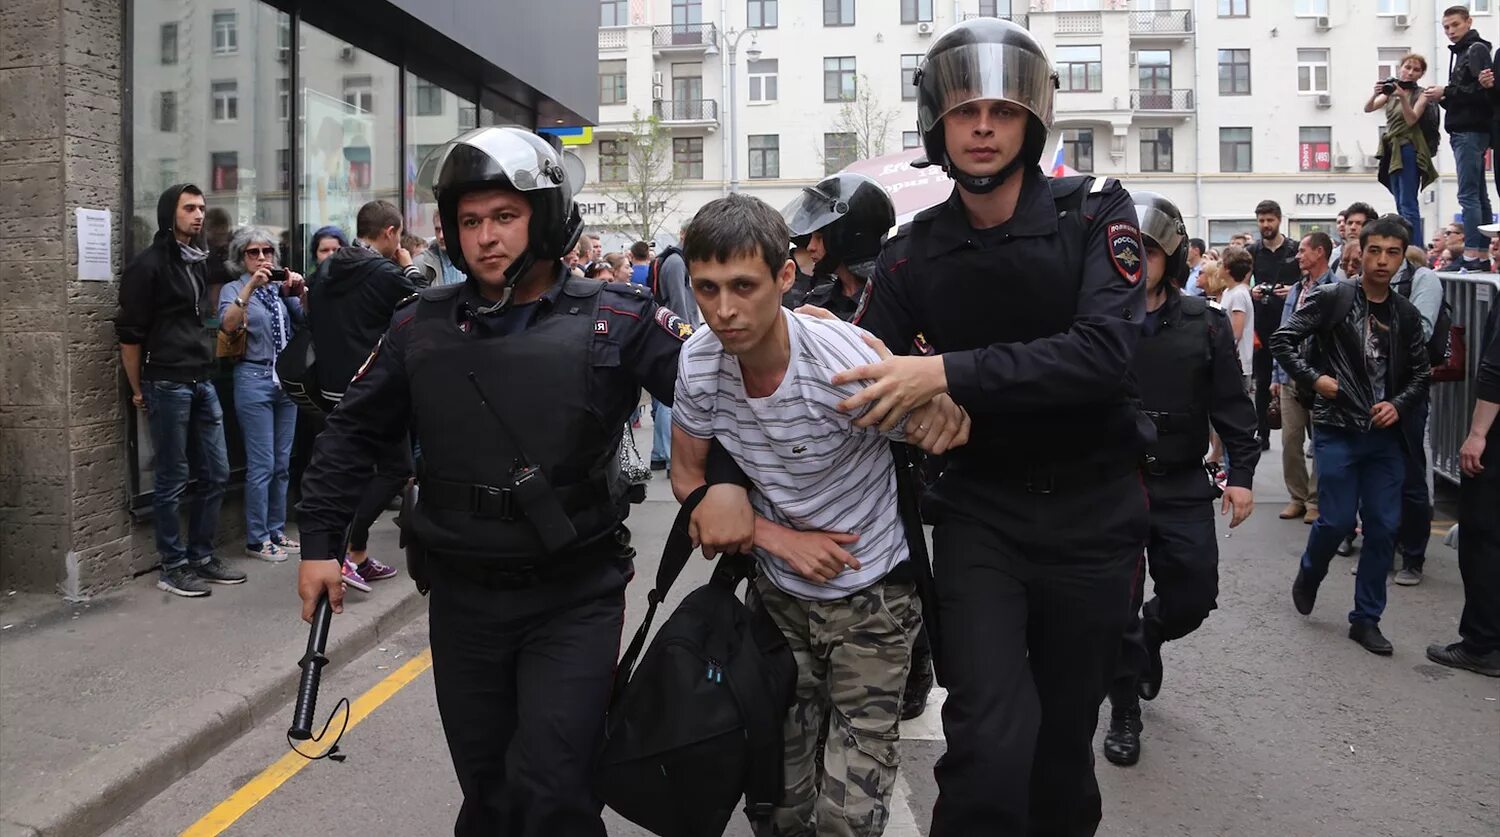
{"x": 257, "y": 313}
{"x": 1407, "y": 147}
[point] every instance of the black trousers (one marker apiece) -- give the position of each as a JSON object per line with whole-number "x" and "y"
{"x": 1479, "y": 553}
{"x": 1033, "y": 601}
{"x": 1183, "y": 558}
{"x": 1416, "y": 504}
{"x": 390, "y": 476}
{"x": 523, "y": 680}
{"x": 1260, "y": 363}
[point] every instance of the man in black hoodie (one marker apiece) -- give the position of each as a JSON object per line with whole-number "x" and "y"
{"x": 168, "y": 354}
{"x": 1468, "y": 122}
{"x": 349, "y": 304}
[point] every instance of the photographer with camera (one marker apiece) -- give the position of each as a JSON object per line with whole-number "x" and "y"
{"x": 257, "y": 313}
{"x": 1411, "y": 135}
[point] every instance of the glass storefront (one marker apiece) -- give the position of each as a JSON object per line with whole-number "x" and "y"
{"x": 213, "y": 103}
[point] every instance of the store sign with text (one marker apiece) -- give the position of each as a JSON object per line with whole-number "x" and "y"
{"x": 598, "y": 210}
{"x": 1315, "y": 156}
{"x": 1316, "y": 199}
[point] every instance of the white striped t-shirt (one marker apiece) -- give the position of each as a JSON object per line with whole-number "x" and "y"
{"x": 812, "y": 469}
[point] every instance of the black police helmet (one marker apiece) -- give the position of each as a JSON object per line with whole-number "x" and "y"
{"x": 506, "y": 158}
{"x": 852, "y": 211}
{"x": 984, "y": 59}
{"x": 1161, "y": 224}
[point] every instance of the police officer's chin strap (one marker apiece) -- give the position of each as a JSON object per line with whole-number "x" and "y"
{"x": 976, "y": 185}
{"x": 513, "y": 274}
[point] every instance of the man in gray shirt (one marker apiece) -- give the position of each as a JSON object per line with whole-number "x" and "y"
{"x": 671, "y": 290}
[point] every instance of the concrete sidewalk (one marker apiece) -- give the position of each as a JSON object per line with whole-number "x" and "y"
{"x": 104, "y": 704}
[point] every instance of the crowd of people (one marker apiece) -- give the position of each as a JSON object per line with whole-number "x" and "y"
{"x": 793, "y": 425}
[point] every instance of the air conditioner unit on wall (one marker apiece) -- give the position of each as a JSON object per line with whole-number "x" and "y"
{"x": 1402, "y": 21}
{"x": 1325, "y": 100}
{"x": 1322, "y": 24}
{"x": 1372, "y": 162}
{"x": 346, "y": 52}
{"x": 924, "y": 28}
{"x": 1341, "y": 161}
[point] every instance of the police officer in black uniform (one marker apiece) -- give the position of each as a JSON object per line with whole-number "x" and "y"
{"x": 842, "y": 223}
{"x": 1189, "y": 376}
{"x": 1029, "y": 291}
{"x": 518, "y": 382}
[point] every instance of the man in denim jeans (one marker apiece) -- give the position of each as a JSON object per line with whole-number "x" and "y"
{"x": 1469, "y": 114}
{"x": 168, "y": 355}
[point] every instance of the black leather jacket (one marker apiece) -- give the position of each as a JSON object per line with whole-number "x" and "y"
{"x": 1340, "y": 352}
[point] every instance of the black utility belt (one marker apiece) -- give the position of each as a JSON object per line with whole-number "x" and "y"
{"x": 1062, "y": 477}
{"x": 499, "y": 502}
{"x": 1167, "y": 422}
{"x": 519, "y": 574}
{"x": 1154, "y": 467}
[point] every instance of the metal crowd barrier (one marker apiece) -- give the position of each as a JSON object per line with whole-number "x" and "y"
{"x": 1471, "y": 296}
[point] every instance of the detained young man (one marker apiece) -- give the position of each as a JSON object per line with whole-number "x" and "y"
{"x": 829, "y": 543}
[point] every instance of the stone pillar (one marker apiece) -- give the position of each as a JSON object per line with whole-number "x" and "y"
{"x": 63, "y": 469}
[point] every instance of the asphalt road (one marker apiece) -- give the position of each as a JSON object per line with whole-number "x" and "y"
{"x": 1268, "y": 724}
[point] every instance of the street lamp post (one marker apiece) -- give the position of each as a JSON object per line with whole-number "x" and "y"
{"x": 732, "y": 41}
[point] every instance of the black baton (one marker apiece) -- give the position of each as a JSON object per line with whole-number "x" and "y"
{"x": 312, "y": 670}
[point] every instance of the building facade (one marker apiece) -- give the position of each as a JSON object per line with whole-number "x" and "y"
{"x": 1215, "y": 103}
{"x": 287, "y": 114}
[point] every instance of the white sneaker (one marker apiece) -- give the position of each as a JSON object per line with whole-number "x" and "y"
{"x": 266, "y": 552}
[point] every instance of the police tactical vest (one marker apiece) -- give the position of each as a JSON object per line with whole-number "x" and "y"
{"x": 1174, "y": 370}
{"x": 541, "y": 381}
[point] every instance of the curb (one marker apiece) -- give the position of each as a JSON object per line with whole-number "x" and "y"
{"x": 167, "y": 746}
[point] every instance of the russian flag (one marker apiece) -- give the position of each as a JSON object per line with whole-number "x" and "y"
{"x": 1059, "y": 169}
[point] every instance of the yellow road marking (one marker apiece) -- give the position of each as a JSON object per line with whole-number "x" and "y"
{"x": 241, "y": 801}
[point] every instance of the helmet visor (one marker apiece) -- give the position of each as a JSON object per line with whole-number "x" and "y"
{"x": 811, "y": 211}
{"x": 1160, "y": 228}
{"x": 976, "y": 72}
{"x": 491, "y": 153}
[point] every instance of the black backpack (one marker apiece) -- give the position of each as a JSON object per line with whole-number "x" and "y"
{"x": 698, "y": 723}
{"x": 1440, "y": 344}
{"x": 654, "y": 272}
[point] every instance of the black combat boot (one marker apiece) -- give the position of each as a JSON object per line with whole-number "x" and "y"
{"x": 1122, "y": 743}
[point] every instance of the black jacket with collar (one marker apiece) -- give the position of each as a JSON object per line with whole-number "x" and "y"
{"x": 163, "y": 302}
{"x": 1341, "y": 354}
{"x": 350, "y": 299}
{"x": 1465, "y": 101}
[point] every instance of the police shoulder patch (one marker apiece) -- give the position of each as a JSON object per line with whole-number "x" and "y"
{"x": 370, "y": 361}
{"x": 407, "y": 301}
{"x": 673, "y": 324}
{"x": 1124, "y": 243}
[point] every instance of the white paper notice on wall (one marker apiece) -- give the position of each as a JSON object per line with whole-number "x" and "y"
{"x": 93, "y": 245}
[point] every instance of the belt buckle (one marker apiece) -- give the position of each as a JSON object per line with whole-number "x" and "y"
{"x": 487, "y": 497}
{"x": 1154, "y": 468}
{"x": 1039, "y": 485}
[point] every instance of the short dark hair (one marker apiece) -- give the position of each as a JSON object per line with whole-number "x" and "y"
{"x": 1320, "y": 240}
{"x": 640, "y": 251}
{"x": 1361, "y": 208}
{"x": 1385, "y": 228}
{"x": 737, "y": 225}
{"x": 1198, "y": 242}
{"x": 1461, "y": 11}
{"x": 1268, "y": 207}
{"x": 1391, "y": 216}
{"x": 374, "y": 217}
{"x": 1239, "y": 262}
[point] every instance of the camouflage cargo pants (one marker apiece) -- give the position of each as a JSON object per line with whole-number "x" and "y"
{"x": 852, "y": 659}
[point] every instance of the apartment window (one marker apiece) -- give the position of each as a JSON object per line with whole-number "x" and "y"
{"x": 838, "y": 12}
{"x": 1234, "y": 149}
{"x": 168, "y": 43}
{"x": 762, "y": 79}
{"x": 283, "y": 33}
{"x": 611, "y": 82}
{"x": 994, "y": 8}
{"x": 614, "y": 162}
{"x": 284, "y": 98}
{"x": 1312, "y": 71}
{"x": 687, "y": 87}
{"x": 1234, "y": 8}
{"x": 614, "y": 12}
{"x": 1388, "y": 61}
{"x": 911, "y": 139}
{"x": 1156, "y": 149}
{"x": 839, "y": 150}
{"x": 687, "y": 17}
{"x": 423, "y": 150}
{"x": 429, "y": 97}
{"x": 1398, "y": 7}
{"x": 1310, "y": 8}
{"x": 1315, "y": 149}
{"x": 1078, "y": 148}
{"x": 225, "y": 175}
{"x": 765, "y": 155}
{"x": 687, "y": 158}
{"x": 1080, "y": 68}
{"x": 283, "y": 169}
{"x": 468, "y": 117}
{"x": 916, "y": 11}
{"x": 1234, "y": 72}
{"x": 359, "y": 92}
{"x": 760, "y": 14}
{"x": 1480, "y": 7}
{"x": 838, "y": 79}
{"x": 166, "y": 169}
{"x": 909, "y": 64}
{"x": 226, "y": 100}
{"x": 166, "y": 112}
{"x": 226, "y": 33}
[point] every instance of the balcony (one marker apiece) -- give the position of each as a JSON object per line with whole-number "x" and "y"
{"x": 683, "y": 37}
{"x": 1080, "y": 23}
{"x": 1162, "y": 24}
{"x": 1166, "y": 102}
{"x": 1020, "y": 19}
{"x": 683, "y": 113}
{"x": 611, "y": 38}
